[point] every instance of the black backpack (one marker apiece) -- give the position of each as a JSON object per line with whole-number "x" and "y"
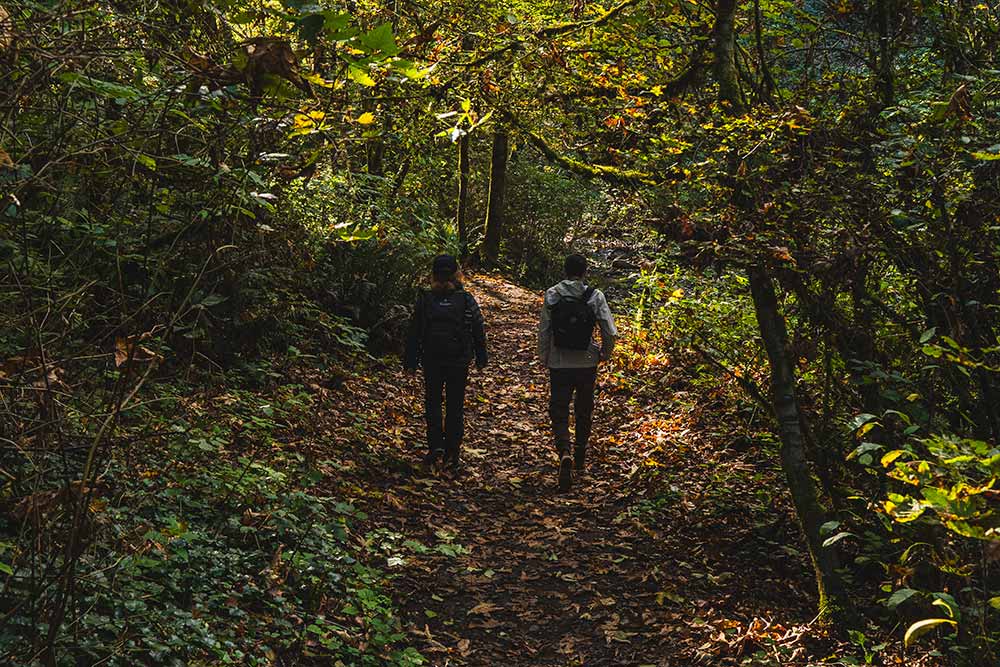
{"x": 573, "y": 321}
{"x": 445, "y": 336}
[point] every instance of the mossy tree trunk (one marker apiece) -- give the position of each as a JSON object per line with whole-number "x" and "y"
{"x": 794, "y": 462}
{"x": 495, "y": 212}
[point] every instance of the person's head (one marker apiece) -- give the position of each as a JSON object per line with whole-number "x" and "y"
{"x": 445, "y": 272}
{"x": 575, "y": 266}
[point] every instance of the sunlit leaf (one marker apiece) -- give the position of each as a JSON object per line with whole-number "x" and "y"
{"x": 920, "y": 628}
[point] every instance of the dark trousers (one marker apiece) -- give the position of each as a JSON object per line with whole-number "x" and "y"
{"x": 445, "y": 383}
{"x": 565, "y": 382}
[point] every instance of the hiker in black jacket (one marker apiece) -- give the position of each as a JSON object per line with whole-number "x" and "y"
{"x": 446, "y": 333}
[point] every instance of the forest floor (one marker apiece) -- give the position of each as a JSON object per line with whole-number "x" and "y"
{"x": 676, "y": 548}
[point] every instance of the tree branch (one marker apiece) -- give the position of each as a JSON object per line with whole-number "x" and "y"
{"x": 602, "y": 171}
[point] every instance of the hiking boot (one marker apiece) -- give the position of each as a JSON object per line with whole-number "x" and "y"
{"x": 565, "y": 472}
{"x": 580, "y": 459}
{"x": 452, "y": 463}
{"x": 432, "y": 457}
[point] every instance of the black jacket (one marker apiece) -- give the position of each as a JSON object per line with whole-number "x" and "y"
{"x": 475, "y": 347}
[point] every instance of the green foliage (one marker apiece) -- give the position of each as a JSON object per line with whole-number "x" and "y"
{"x": 220, "y": 550}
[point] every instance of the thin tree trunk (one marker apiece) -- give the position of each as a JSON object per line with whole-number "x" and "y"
{"x": 886, "y": 85}
{"x": 810, "y": 512}
{"x": 724, "y": 49}
{"x": 774, "y": 332}
{"x": 463, "y": 196}
{"x": 767, "y": 84}
{"x": 376, "y": 153}
{"x": 495, "y": 204}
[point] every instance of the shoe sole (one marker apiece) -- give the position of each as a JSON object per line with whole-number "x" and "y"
{"x": 565, "y": 474}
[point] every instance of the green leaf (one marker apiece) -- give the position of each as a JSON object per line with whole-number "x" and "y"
{"x": 830, "y": 541}
{"x": 336, "y": 20}
{"x": 864, "y": 448}
{"x": 146, "y": 161}
{"x": 936, "y": 497}
{"x": 212, "y": 300}
{"x": 899, "y": 597}
{"x": 994, "y": 602}
{"x": 921, "y": 628}
{"x": 861, "y": 420}
{"x": 408, "y": 69}
{"x": 380, "y": 41}
{"x": 99, "y": 87}
{"x": 966, "y": 529}
{"x": 6, "y": 569}
{"x": 927, "y": 335}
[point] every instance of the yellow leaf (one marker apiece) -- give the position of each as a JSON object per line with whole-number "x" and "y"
{"x": 921, "y": 628}
{"x": 889, "y": 458}
{"x": 367, "y": 118}
{"x": 317, "y": 80}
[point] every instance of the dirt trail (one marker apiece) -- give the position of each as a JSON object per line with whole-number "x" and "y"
{"x": 543, "y": 578}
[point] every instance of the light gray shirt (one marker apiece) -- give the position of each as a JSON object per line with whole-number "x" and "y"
{"x": 555, "y": 357}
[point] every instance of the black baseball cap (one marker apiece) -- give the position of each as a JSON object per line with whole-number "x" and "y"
{"x": 445, "y": 265}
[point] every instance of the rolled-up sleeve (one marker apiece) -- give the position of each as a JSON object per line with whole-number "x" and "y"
{"x": 606, "y": 324}
{"x": 544, "y": 333}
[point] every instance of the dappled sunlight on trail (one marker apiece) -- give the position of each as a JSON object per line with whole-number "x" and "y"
{"x": 524, "y": 575}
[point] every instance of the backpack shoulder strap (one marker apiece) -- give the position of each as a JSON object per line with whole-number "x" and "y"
{"x": 588, "y": 294}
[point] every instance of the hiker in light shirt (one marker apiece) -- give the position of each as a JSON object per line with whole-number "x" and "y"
{"x": 566, "y": 346}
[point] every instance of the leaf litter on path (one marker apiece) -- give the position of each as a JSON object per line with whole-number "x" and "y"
{"x": 573, "y": 579}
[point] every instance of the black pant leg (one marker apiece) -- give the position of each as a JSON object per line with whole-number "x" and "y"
{"x": 560, "y": 395}
{"x": 433, "y": 390}
{"x": 456, "y": 379}
{"x": 583, "y": 406}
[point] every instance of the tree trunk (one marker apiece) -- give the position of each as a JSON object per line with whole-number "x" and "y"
{"x": 495, "y": 204}
{"x": 810, "y": 512}
{"x": 463, "y": 196}
{"x": 724, "y": 49}
{"x": 886, "y": 85}
{"x": 767, "y": 83}
{"x": 376, "y": 153}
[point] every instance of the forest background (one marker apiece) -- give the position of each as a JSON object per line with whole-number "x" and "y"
{"x": 796, "y": 205}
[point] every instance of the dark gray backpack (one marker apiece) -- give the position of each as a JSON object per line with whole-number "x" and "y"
{"x": 573, "y": 321}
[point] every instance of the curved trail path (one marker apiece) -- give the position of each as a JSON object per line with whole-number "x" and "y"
{"x": 514, "y": 573}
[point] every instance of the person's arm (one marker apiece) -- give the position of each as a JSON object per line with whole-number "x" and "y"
{"x": 606, "y": 324}
{"x": 478, "y": 327}
{"x": 544, "y": 333}
{"x": 414, "y": 335}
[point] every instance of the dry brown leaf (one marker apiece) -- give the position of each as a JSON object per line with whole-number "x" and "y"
{"x": 484, "y": 608}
